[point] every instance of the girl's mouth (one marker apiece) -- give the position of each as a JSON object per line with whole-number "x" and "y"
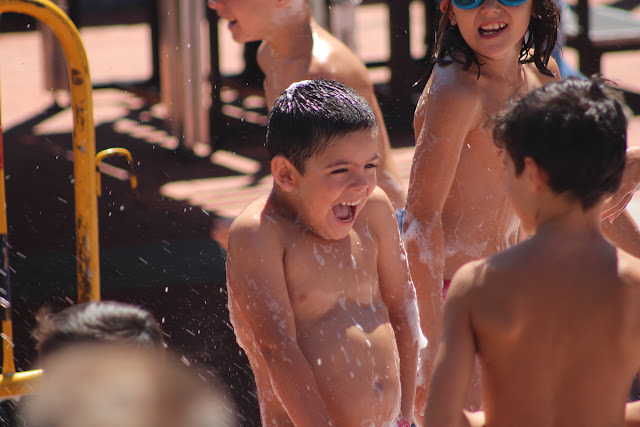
{"x": 491, "y": 29}
{"x": 346, "y": 211}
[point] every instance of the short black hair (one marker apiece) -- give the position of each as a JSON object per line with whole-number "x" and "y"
{"x": 309, "y": 114}
{"x": 96, "y": 322}
{"x": 538, "y": 44}
{"x": 576, "y": 130}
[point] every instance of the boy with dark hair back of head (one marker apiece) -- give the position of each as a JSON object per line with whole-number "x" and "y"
{"x": 320, "y": 295}
{"x": 105, "y": 365}
{"x": 554, "y": 320}
{"x": 96, "y": 322}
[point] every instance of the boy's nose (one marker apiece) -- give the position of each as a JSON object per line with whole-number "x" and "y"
{"x": 360, "y": 182}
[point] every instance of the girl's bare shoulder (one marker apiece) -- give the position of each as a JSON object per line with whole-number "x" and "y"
{"x": 537, "y": 79}
{"x": 450, "y": 92}
{"x": 454, "y": 80}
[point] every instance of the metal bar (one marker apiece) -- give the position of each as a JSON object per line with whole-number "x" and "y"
{"x": 86, "y": 205}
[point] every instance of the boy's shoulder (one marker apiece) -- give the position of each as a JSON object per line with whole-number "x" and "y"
{"x": 378, "y": 206}
{"x": 333, "y": 60}
{"x": 256, "y": 219}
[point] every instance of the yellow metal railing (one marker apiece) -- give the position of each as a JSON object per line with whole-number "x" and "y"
{"x": 85, "y": 187}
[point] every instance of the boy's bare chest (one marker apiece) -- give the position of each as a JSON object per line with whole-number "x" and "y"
{"x": 322, "y": 275}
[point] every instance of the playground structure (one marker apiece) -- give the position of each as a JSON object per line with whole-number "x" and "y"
{"x": 86, "y": 185}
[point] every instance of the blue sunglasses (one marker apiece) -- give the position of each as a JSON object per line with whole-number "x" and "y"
{"x": 471, "y": 4}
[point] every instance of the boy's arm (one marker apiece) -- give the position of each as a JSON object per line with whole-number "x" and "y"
{"x": 623, "y": 233}
{"x": 448, "y": 117}
{"x": 455, "y": 357}
{"x": 398, "y": 295}
{"x": 615, "y": 205}
{"x": 257, "y": 290}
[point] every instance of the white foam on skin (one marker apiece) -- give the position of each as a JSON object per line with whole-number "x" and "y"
{"x": 416, "y": 233}
{"x": 474, "y": 250}
{"x": 366, "y": 230}
{"x": 319, "y": 257}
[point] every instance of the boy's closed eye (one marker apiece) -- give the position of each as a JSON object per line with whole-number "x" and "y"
{"x": 345, "y": 170}
{"x": 341, "y": 170}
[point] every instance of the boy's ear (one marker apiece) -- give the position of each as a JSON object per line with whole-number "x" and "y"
{"x": 537, "y": 176}
{"x": 444, "y": 5}
{"x": 284, "y": 173}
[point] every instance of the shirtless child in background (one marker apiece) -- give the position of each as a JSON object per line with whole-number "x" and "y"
{"x": 320, "y": 295}
{"x": 296, "y": 48}
{"x": 555, "y": 320}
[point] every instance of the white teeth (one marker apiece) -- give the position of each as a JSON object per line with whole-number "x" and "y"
{"x": 351, "y": 203}
{"x": 493, "y": 27}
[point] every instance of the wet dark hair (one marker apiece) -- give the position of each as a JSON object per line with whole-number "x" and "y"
{"x": 575, "y": 130}
{"x": 310, "y": 114}
{"x": 96, "y": 322}
{"x": 539, "y": 41}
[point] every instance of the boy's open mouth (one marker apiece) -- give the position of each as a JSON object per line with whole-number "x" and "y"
{"x": 346, "y": 211}
{"x": 490, "y": 29}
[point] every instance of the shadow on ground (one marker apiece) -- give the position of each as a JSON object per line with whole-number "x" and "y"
{"x": 154, "y": 251}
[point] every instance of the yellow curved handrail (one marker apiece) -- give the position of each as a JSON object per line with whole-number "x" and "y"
{"x": 84, "y": 150}
{"x": 110, "y": 152}
{"x": 86, "y": 205}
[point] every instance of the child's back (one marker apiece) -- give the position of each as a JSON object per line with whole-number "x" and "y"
{"x": 557, "y": 319}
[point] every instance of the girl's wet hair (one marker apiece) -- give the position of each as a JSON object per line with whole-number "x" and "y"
{"x": 538, "y": 43}
{"x": 310, "y": 114}
{"x": 575, "y": 130}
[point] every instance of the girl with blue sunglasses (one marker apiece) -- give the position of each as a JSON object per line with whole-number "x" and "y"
{"x": 486, "y": 53}
{"x": 472, "y": 4}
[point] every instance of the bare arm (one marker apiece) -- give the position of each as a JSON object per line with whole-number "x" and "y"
{"x": 455, "y": 357}
{"x": 398, "y": 294}
{"x": 623, "y": 233}
{"x": 257, "y": 290}
{"x": 615, "y": 205}
{"x": 448, "y": 116}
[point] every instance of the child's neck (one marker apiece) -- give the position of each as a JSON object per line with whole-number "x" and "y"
{"x": 293, "y": 40}
{"x": 281, "y": 202}
{"x": 507, "y": 68}
{"x": 569, "y": 217}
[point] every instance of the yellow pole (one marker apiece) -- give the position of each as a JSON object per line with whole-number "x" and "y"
{"x": 83, "y": 138}
{"x": 5, "y": 299}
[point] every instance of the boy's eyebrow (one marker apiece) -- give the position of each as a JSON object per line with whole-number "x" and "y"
{"x": 347, "y": 162}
